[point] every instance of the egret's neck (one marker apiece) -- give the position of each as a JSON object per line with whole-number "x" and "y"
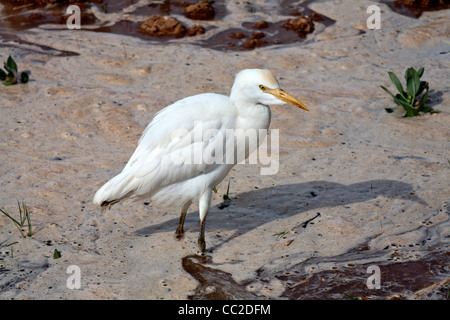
{"x": 252, "y": 115}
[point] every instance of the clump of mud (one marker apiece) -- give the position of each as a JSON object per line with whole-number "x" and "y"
{"x": 195, "y": 30}
{"x": 255, "y": 41}
{"x": 159, "y": 26}
{"x": 163, "y": 26}
{"x": 202, "y": 10}
{"x": 302, "y": 25}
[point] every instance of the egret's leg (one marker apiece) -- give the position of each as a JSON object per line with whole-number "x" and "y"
{"x": 180, "y": 231}
{"x": 204, "y": 204}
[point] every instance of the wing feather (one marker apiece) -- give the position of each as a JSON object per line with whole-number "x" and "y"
{"x": 167, "y": 151}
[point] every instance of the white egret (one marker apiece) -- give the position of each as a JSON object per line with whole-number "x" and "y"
{"x": 152, "y": 172}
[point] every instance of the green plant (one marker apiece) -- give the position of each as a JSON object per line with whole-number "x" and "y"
{"x": 304, "y": 224}
{"x": 11, "y": 75}
{"x": 24, "y": 216}
{"x": 409, "y": 99}
{"x": 56, "y": 254}
{"x": 226, "y": 198}
{"x": 9, "y": 245}
{"x": 350, "y": 296}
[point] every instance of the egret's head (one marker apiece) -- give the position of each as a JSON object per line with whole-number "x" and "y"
{"x": 260, "y": 86}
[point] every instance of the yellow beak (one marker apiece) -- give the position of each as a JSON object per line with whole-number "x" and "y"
{"x": 286, "y": 97}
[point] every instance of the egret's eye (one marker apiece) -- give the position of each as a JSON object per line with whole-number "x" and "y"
{"x": 262, "y": 87}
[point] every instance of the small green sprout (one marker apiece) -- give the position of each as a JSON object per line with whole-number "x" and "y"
{"x": 350, "y": 296}
{"x": 304, "y": 224}
{"x": 9, "y": 245}
{"x": 226, "y": 198}
{"x": 56, "y": 254}
{"x": 281, "y": 234}
{"x": 10, "y": 76}
{"x": 24, "y": 216}
{"x": 409, "y": 99}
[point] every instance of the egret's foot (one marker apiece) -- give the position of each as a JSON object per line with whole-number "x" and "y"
{"x": 179, "y": 233}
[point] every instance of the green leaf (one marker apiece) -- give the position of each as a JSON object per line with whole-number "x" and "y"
{"x": 387, "y": 91}
{"x": 412, "y": 82}
{"x": 56, "y": 254}
{"x": 24, "y": 77}
{"x": 420, "y": 72}
{"x": 425, "y": 109}
{"x": 410, "y": 111}
{"x": 401, "y": 101}
{"x": 2, "y": 74}
{"x": 404, "y": 104}
{"x": 400, "y": 97}
{"x": 396, "y": 83}
{"x": 12, "y": 219}
{"x": 11, "y": 65}
{"x": 8, "y": 83}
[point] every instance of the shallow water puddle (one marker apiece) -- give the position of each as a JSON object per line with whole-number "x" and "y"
{"x": 249, "y": 35}
{"x": 426, "y": 278}
{"x": 102, "y": 16}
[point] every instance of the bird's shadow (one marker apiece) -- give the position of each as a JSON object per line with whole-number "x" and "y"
{"x": 251, "y": 209}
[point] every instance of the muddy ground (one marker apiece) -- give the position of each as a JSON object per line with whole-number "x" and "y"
{"x": 379, "y": 181}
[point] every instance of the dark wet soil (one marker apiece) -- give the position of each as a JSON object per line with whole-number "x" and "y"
{"x": 26, "y": 14}
{"x": 415, "y": 8}
{"x": 398, "y": 281}
{"x": 427, "y": 278}
{"x": 252, "y": 35}
{"x": 214, "y": 284}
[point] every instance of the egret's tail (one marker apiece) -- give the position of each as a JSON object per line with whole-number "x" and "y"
{"x": 115, "y": 190}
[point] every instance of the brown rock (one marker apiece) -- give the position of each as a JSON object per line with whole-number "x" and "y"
{"x": 260, "y": 25}
{"x": 257, "y": 35}
{"x": 254, "y": 43}
{"x": 195, "y": 30}
{"x": 302, "y": 25}
{"x": 160, "y": 26}
{"x": 237, "y": 35}
{"x": 202, "y": 10}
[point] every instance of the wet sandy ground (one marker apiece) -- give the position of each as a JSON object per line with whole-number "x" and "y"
{"x": 379, "y": 181}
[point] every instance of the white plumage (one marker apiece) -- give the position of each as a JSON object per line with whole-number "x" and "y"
{"x": 168, "y": 166}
